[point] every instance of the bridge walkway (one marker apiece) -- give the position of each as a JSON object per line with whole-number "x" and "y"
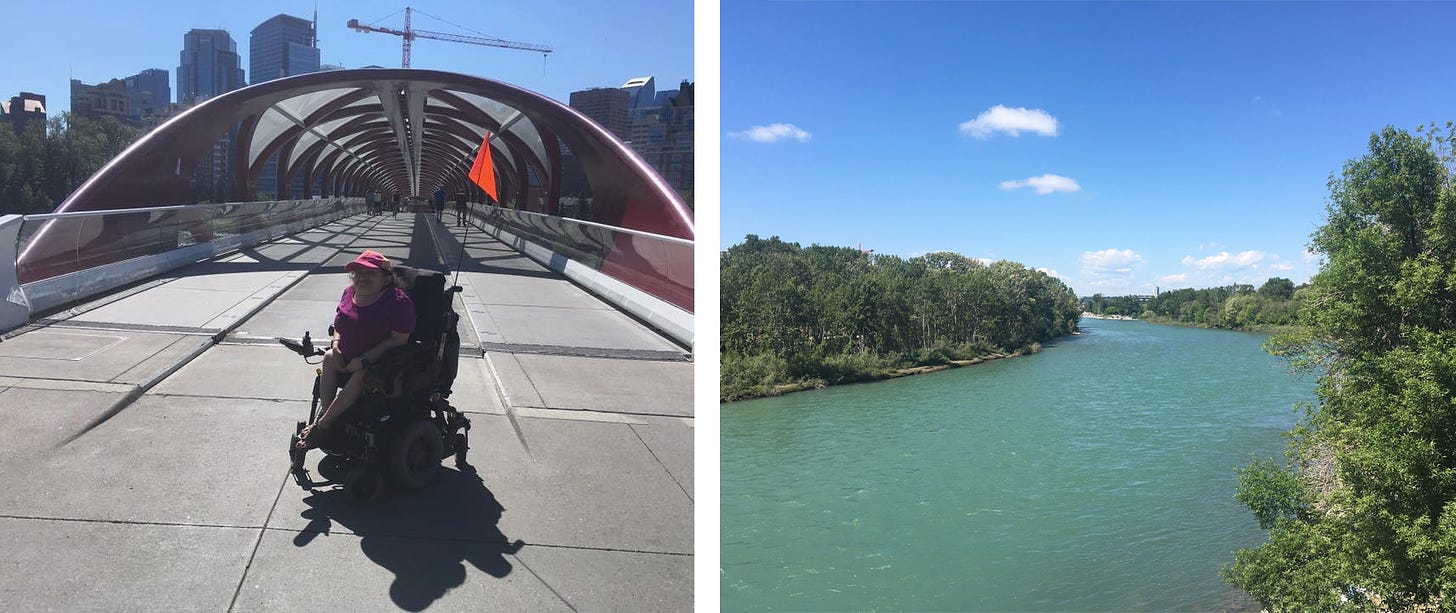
{"x": 143, "y": 461}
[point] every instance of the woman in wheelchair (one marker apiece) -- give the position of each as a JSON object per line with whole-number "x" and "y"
{"x": 374, "y": 316}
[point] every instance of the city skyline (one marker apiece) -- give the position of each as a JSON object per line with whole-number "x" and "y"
{"x": 586, "y": 53}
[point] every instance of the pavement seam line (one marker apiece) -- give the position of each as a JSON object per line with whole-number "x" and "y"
{"x": 544, "y": 582}
{"x": 442, "y": 539}
{"x": 257, "y": 543}
{"x": 124, "y": 522}
{"x": 662, "y": 464}
{"x": 165, "y": 524}
{"x": 500, "y": 387}
{"x": 631, "y": 413}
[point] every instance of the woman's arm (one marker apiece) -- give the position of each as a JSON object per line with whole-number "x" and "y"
{"x": 394, "y": 339}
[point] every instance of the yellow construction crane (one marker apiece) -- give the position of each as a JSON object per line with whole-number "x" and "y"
{"x": 409, "y": 34}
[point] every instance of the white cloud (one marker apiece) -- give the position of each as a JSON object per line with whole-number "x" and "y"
{"x": 1281, "y": 266}
{"x": 985, "y": 261}
{"x": 1110, "y": 262}
{"x": 1045, "y": 184}
{"x": 1011, "y": 121}
{"x": 773, "y": 133}
{"x": 1178, "y": 278}
{"x": 1054, "y": 273}
{"x": 1208, "y": 245}
{"x": 1226, "y": 261}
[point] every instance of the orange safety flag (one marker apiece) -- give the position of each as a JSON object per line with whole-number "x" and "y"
{"x": 483, "y": 172}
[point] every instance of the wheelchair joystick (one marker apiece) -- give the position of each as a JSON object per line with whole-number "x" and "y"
{"x": 304, "y": 347}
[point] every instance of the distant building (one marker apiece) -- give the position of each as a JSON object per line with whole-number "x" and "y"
{"x": 323, "y": 67}
{"x": 94, "y": 102}
{"x": 604, "y": 105}
{"x": 663, "y": 134}
{"x": 658, "y": 125}
{"x": 210, "y": 66}
{"x": 163, "y": 114}
{"x": 130, "y": 100}
{"x": 282, "y": 46}
{"x": 641, "y": 90}
{"x": 20, "y": 111}
{"x": 573, "y": 177}
{"x": 150, "y": 90}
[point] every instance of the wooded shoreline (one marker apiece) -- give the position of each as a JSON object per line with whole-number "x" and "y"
{"x": 813, "y": 384}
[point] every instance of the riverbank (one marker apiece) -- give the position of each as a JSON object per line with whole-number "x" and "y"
{"x": 870, "y": 377}
{"x": 1165, "y": 321}
{"x": 1086, "y": 315}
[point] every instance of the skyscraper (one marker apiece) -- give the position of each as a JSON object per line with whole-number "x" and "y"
{"x": 210, "y": 66}
{"x": 606, "y": 106}
{"x": 282, "y": 46}
{"x": 642, "y": 90}
{"x": 151, "y": 91}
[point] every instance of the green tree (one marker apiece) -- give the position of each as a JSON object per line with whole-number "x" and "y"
{"x": 40, "y": 167}
{"x": 795, "y": 315}
{"x": 1383, "y": 324}
{"x": 1277, "y": 288}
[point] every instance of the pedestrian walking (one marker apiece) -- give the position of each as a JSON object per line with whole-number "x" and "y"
{"x": 439, "y": 203}
{"x": 462, "y": 208}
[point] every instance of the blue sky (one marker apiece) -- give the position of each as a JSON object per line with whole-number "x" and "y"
{"x": 596, "y": 43}
{"x": 1121, "y": 146}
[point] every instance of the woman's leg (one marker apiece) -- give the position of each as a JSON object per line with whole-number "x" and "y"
{"x": 329, "y": 379}
{"x": 346, "y": 398}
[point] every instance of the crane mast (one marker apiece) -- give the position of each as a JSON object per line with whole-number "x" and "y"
{"x": 409, "y": 34}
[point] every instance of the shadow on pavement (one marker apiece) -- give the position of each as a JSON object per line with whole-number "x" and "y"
{"x": 450, "y": 245}
{"x": 424, "y": 537}
{"x": 422, "y": 246}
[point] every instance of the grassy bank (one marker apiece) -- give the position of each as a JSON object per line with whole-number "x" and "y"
{"x": 765, "y": 375}
{"x": 1265, "y": 329}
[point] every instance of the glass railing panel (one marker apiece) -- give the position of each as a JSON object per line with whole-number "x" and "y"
{"x": 60, "y": 243}
{"x": 658, "y": 265}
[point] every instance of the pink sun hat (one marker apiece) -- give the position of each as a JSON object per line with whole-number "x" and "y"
{"x": 369, "y": 259}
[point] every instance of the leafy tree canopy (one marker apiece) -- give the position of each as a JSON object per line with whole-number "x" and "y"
{"x": 1362, "y": 513}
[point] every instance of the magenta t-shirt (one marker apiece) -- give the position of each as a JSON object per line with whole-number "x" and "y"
{"x": 361, "y": 328}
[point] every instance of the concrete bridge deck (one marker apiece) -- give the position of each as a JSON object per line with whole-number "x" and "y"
{"x": 143, "y": 460}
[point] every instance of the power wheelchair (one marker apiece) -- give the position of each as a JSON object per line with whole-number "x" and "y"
{"x": 403, "y": 426}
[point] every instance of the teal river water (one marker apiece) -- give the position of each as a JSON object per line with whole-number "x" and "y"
{"x": 1094, "y": 476}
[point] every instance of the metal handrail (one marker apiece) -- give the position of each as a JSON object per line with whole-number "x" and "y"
{"x": 158, "y": 209}
{"x": 662, "y": 237}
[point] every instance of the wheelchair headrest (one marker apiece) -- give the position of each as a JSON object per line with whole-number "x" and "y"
{"x": 426, "y": 289}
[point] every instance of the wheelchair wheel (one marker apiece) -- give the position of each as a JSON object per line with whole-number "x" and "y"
{"x": 363, "y": 486}
{"x": 331, "y": 467}
{"x": 416, "y": 454}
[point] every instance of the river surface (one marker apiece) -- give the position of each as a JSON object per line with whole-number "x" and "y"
{"x": 1096, "y": 475}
